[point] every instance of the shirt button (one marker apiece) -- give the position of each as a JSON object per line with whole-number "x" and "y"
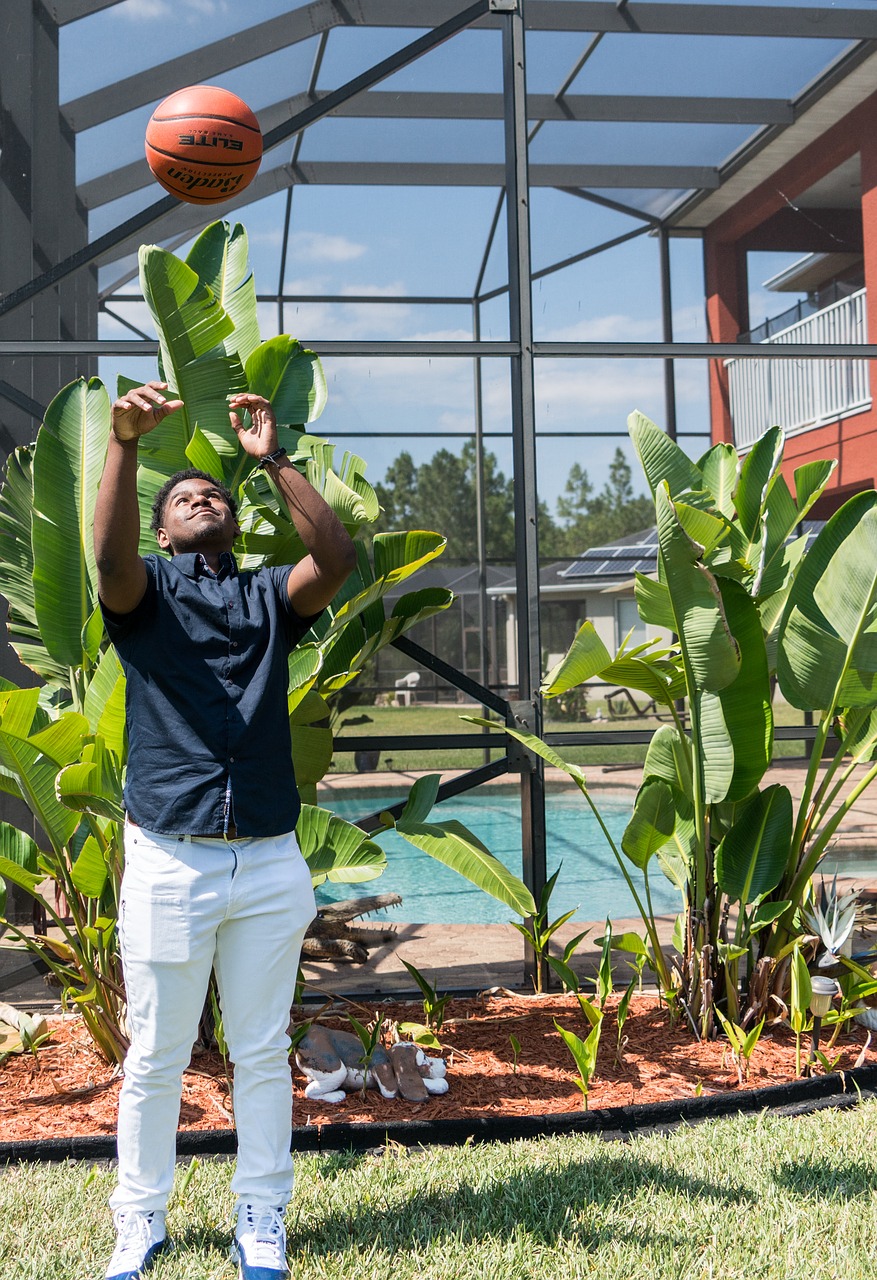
{"x": 234, "y": 644}
{"x": 231, "y": 759}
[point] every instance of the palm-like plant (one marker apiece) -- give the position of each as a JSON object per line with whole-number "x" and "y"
{"x": 744, "y": 605}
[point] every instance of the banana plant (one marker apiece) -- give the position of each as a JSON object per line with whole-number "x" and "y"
{"x": 745, "y": 605}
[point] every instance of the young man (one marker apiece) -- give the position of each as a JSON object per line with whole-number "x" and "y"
{"x": 214, "y": 878}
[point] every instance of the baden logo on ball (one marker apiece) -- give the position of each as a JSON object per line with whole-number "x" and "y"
{"x": 203, "y": 144}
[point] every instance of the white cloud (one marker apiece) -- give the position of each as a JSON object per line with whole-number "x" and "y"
{"x": 179, "y": 10}
{"x": 319, "y": 247}
{"x": 611, "y": 328}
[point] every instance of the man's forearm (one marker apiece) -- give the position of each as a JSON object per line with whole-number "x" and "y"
{"x": 324, "y": 536}
{"x": 116, "y": 512}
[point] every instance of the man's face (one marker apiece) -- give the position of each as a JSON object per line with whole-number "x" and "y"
{"x": 196, "y": 518}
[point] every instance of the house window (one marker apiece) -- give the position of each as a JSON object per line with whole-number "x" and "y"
{"x": 626, "y": 616}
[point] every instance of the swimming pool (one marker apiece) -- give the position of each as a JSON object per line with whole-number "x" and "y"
{"x": 589, "y": 882}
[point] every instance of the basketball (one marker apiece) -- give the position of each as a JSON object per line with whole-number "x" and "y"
{"x": 203, "y": 144}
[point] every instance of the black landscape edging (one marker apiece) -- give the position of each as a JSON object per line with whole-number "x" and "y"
{"x": 794, "y": 1098}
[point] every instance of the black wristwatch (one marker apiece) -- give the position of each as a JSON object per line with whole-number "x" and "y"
{"x": 272, "y": 457}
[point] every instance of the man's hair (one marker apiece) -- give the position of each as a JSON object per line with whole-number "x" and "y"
{"x": 192, "y": 473}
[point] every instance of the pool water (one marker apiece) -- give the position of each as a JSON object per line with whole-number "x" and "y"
{"x": 589, "y": 882}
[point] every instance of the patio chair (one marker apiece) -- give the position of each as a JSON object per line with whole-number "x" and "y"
{"x": 621, "y": 705}
{"x": 405, "y": 688}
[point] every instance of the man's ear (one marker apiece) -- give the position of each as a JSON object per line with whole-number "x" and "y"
{"x": 162, "y": 539}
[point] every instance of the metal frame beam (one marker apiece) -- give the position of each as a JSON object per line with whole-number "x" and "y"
{"x": 63, "y": 12}
{"x": 486, "y": 349}
{"x": 591, "y": 16}
{"x": 529, "y": 710}
{"x": 362, "y": 173}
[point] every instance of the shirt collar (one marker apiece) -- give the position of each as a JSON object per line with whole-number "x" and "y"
{"x": 193, "y": 565}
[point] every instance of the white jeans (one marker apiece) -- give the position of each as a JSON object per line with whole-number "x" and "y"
{"x": 189, "y": 905}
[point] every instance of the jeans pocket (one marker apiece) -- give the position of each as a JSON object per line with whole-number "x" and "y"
{"x": 153, "y": 929}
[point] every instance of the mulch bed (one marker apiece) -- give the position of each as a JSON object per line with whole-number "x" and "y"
{"x": 70, "y": 1091}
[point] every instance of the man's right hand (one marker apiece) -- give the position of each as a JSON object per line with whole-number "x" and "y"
{"x": 141, "y": 410}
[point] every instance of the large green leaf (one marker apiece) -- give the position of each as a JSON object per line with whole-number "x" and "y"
{"x": 756, "y": 476}
{"x": 586, "y": 657}
{"x": 16, "y": 874}
{"x": 746, "y": 702}
{"x": 18, "y": 847}
{"x": 752, "y": 857}
{"x": 398, "y": 555}
{"x": 337, "y": 850}
{"x": 91, "y": 785}
{"x": 220, "y": 257}
{"x": 104, "y": 703}
{"x": 719, "y": 469}
{"x": 311, "y": 752}
{"x": 456, "y": 847}
{"x": 192, "y": 325}
{"x": 662, "y": 460}
{"x": 653, "y": 602}
{"x": 421, "y": 798}
{"x": 828, "y": 635}
{"x": 16, "y": 568}
{"x": 711, "y": 654}
{"x": 669, "y": 757}
{"x": 18, "y": 850}
{"x": 651, "y": 824}
{"x": 33, "y": 771}
{"x": 68, "y": 462}
{"x": 90, "y": 870}
{"x": 290, "y": 377}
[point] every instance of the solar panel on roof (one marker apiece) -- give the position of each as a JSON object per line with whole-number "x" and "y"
{"x": 612, "y": 561}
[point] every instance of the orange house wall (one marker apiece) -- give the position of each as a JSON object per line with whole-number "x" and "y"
{"x": 852, "y": 440}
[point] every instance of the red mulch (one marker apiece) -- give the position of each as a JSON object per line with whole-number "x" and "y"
{"x": 69, "y": 1091}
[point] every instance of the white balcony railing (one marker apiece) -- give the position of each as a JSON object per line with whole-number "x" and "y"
{"x": 799, "y": 395}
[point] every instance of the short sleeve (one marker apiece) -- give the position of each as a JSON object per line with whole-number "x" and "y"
{"x": 296, "y": 626}
{"x": 120, "y": 625}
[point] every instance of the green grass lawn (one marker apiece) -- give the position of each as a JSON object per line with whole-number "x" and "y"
{"x": 748, "y": 1198}
{"x": 446, "y": 720}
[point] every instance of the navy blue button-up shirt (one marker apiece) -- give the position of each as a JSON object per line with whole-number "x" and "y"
{"x": 206, "y": 663}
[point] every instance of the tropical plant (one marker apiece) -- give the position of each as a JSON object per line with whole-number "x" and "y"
{"x": 584, "y": 1052}
{"x": 539, "y": 933}
{"x": 742, "y": 1043}
{"x": 63, "y": 747}
{"x": 370, "y": 1039}
{"x": 434, "y": 1005}
{"x": 745, "y": 605}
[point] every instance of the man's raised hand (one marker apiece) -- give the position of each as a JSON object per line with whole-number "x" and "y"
{"x": 141, "y": 409}
{"x": 260, "y": 438}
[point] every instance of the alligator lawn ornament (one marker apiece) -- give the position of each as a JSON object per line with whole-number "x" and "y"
{"x": 333, "y": 1064}
{"x": 330, "y": 936}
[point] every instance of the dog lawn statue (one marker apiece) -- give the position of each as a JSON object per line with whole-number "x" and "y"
{"x": 332, "y": 1062}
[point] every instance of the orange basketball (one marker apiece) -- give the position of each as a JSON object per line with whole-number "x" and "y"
{"x": 203, "y": 144}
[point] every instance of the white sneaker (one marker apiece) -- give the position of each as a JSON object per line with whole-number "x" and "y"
{"x": 140, "y": 1238}
{"x": 260, "y": 1243}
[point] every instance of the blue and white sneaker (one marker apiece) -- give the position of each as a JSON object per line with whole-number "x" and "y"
{"x": 140, "y": 1238}
{"x": 260, "y": 1243}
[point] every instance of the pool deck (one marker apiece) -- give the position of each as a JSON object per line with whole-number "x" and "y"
{"x": 475, "y": 957}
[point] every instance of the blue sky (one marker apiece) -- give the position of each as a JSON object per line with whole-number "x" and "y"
{"x": 386, "y": 242}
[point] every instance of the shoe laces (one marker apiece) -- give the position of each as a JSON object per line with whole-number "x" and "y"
{"x": 262, "y": 1234}
{"x": 135, "y": 1238}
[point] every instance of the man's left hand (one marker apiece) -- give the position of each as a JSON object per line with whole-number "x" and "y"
{"x": 260, "y": 438}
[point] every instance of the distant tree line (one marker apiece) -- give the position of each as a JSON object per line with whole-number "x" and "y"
{"x": 441, "y": 495}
